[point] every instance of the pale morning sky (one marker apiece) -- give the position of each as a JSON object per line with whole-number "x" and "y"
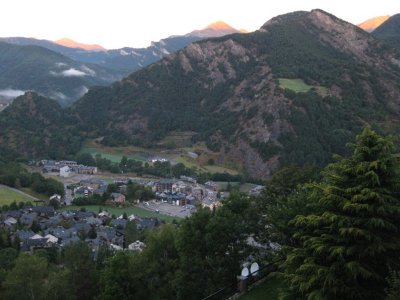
{"x": 118, "y": 23}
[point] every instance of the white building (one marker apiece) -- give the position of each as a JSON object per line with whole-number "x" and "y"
{"x": 65, "y": 171}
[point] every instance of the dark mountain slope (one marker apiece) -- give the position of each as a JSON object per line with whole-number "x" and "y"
{"x": 389, "y": 31}
{"x": 34, "y": 126}
{"x": 230, "y": 91}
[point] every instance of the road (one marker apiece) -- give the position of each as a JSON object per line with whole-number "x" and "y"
{"x": 167, "y": 209}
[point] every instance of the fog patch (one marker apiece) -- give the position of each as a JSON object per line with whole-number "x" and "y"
{"x": 82, "y": 91}
{"x": 72, "y": 72}
{"x": 88, "y": 70}
{"x": 61, "y": 64}
{"x": 58, "y": 96}
{"x": 11, "y": 93}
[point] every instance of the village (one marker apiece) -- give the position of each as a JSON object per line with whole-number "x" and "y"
{"x": 42, "y": 226}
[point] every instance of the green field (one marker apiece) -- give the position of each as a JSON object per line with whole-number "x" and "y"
{"x": 295, "y": 85}
{"x": 178, "y": 155}
{"x": 220, "y": 169}
{"x": 137, "y": 211}
{"x": 115, "y": 156}
{"x": 8, "y": 196}
{"x": 268, "y": 290}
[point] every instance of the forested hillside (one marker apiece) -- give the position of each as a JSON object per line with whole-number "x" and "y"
{"x": 34, "y": 126}
{"x": 389, "y": 31}
{"x": 239, "y": 93}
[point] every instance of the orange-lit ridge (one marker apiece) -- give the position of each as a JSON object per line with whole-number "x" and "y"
{"x": 72, "y": 44}
{"x": 220, "y": 25}
{"x": 372, "y": 24}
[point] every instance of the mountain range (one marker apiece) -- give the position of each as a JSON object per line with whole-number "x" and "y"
{"x": 295, "y": 91}
{"x": 50, "y": 73}
{"x": 63, "y": 70}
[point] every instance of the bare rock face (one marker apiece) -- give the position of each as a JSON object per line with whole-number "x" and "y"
{"x": 342, "y": 35}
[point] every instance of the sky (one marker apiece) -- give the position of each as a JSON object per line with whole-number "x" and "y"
{"x": 133, "y": 23}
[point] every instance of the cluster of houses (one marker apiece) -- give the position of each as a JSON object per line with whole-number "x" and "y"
{"x": 40, "y": 227}
{"x": 184, "y": 192}
{"x": 181, "y": 192}
{"x": 65, "y": 167}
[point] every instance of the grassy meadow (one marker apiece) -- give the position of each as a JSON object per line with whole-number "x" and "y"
{"x": 137, "y": 211}
{"x": 8, "y": 195}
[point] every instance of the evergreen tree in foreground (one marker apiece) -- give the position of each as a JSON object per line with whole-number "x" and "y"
{"x": 347, "y": 249}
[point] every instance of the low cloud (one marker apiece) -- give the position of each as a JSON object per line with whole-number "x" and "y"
{"x": 70, "y": 73}
{"x": 10, "y": 93}
{"x": 57, "y": 96}
{"x": 88, "y": 71}
{"x": 61, "y": 64}
{"x": 82, "y": 91}
{"x": 73, "y": 73}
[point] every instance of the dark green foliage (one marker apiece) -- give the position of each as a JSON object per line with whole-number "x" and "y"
{"x": 211, "y": 245}
{"x": 34, "y": 126}
{"x": 91, "y": 200}
{"x": 393, "y": 289}
{"x": 347, "y": 245}
{"x": 86, "y": 159}
{"x": 285, "y": 196}
{"x": 148, "y": 275}
{"x": 139, "y": 192}
{"x": 46, "y": 186}
{"x": 14, "y": 175}
{"x": 26, "y": 279}
{"x": 268, "y": 119}
{"x": 266, "y": 150}
{"x": 131, "y": 233}
{"x": 79, "y": 261}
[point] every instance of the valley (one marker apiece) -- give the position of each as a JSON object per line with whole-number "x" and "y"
{"x": 213, "y": 164}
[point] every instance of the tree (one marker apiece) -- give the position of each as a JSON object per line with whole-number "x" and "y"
{"x": 79, "y": 261}
{"x": 26, "y": 279}
{"x": 347, "y": 248}
{"x": 161, "y": 256}
{"x": 393, "y": 289}
{"x": 123, "y": 278}
{"x": 58, "y": 286}
{"x": 86, "y": 159}
{"x": 211, "y": 247}
{"x": 131, "y": 233}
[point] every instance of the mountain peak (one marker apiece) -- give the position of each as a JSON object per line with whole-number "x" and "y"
{"x": 220, "y": 25}
{"x": 215, "y": 29}
{"x": 66, "y": 42}
{"x": 371, "y": 24}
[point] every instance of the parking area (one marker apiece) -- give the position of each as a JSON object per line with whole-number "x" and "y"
{"x": 168, "y": 209}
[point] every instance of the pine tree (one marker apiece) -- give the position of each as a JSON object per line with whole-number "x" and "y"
{"x": 349, "y": 246}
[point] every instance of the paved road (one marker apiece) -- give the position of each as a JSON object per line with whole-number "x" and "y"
{"x": 167, "y": 209}
{"x": 18, "y": 191}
